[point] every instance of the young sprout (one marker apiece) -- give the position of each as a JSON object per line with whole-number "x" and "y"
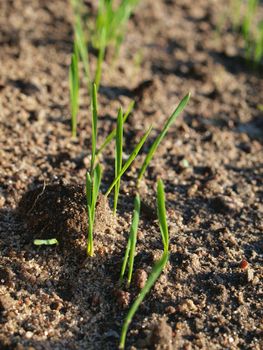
{"x": 258, "y": 54}
{"x": 131, "y": 245}
{"x": 162, "y": 134}
{"x": 112, "y": 135}
{"x": 92, "y": 191}
{"x": 74, "y": 90}
{"x": 50, "y": 241}
{"x": 251, "y": 27}
{"x": 118, "y": 157}
{"x": 114, "y": 19}
{"x": 83, "y": 50}
{"x": 102, "y": 47}
{"x": 129, "y": 160}
{"x": 94, "y": 109}
{"x": 158, "y": 267}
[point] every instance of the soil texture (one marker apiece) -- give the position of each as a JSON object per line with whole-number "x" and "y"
{"x": 210, "y": 294}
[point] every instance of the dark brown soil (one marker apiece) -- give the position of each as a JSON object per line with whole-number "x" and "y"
{"x": 54, "y": 211}
{"x": 210, "y": 294}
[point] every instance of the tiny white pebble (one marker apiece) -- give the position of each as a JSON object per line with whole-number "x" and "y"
{"x": 29, "y": 335}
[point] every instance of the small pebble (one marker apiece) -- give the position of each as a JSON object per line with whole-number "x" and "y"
{"x": 140, "y": 278}
{"x": 244, "y": 264}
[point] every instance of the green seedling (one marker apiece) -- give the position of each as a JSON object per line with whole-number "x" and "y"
{"x": 83, "y": 50}
{"x": 51, "y": 241}
{"x": 158, "y": 267}
{"x": 92, "y": 191}
{"x": 94, "y": 109}
{"x": 248, "y": 18}
{"x": 118, "y": 157}
{"x": 245, "y": 20}
{"x": 109, "y": 29}
{"x": 258, "y": 51}
{"x": 74, "y": 90}
{"x": 112, "y": 135}
{"x": 113, "y": 19}
{"x": 131, "y": 245}
{"x": 162, "y": 134}
{"x": 129, "y": 160}
{"x": 101, "y": 55}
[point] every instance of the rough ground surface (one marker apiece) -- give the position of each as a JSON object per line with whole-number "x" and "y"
{"x": 210, "y": 295}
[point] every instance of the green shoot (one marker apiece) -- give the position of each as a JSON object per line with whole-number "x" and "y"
{"x": 129, "y": 160}
{"x": 114, "y": 19}
{"x": 94, "y": 109}
{"x": 158, "y": 267}
{"x": 92, "y": 191}
{"x": 108, "y": 29}
{"x": 248, "y": 19}
{"x": 83, "y": 50}
{"x": 51, "y": 241}
{"x": 258, "y": 54}
{"x": 162, "y": 134}
{"x": 111, "y": 136}
{"x": 161, "y": 210}
{"x": 101, "y": 55}
{"x": 74, "y": 90}
{"x": 118, "y": 157}
{"x": 131, "y": 245}
{"x": 245, "y": 20}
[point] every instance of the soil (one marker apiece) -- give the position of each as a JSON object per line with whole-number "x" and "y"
{"x": 210, "y": 294}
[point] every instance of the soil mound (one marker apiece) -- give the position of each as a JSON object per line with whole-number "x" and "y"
{"x": 55, "y": 211}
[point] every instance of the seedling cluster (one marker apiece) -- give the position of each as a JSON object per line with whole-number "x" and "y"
{"x": 109, "y": 29}
{"x": 246, "y": 21}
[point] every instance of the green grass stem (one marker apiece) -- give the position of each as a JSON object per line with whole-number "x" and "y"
{"x": 74, "y": 90}
{"x": 102, "y": 47}
{"x": 94, "y": 121}
{"x": 131, "y": 244}
{"x": 112, "y": 135}
{"x": 162, "y": 134}
{"x": 118, "y": 157}
{"x": 92, "y": 192}
{"x": 129, "y": 160}
{"x": 158, "y": 267}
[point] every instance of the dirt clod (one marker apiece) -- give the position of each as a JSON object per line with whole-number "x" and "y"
{"x": 140, "y": 278}
{"x": 6, "y": 302}
{"x": 161, "y": 336}
{"x": 55, "y": 211}
{"x": 123, "y": 298}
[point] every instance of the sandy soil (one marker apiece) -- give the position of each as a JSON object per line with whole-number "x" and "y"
{"x": 210, "y": 294}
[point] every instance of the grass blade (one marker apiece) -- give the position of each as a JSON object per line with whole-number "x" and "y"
{"x": 155, "y": 273}
{"x": 118, "y": 156}
{"x": 90, "y": 216}
{"x": 113, "y": 133}
{"x": 88, "y": 189}
{"x": 161, "y": 210}
{"x": 74, "y": 90}
{"x": 94, "y": 108}
{"x": 90, "y": 249}
{"x": 162, "y": 134}
{"x": 102, "y": 47}
{"x": 92, "y": 191}
{"x": 83, "y": 50}
{"x": 158, "y": 267}
{"x": 130, "y": 160}
{"x": 133, "y": 235}
{"x": 131, "y": 244}
{"x": 96, "y": 187}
